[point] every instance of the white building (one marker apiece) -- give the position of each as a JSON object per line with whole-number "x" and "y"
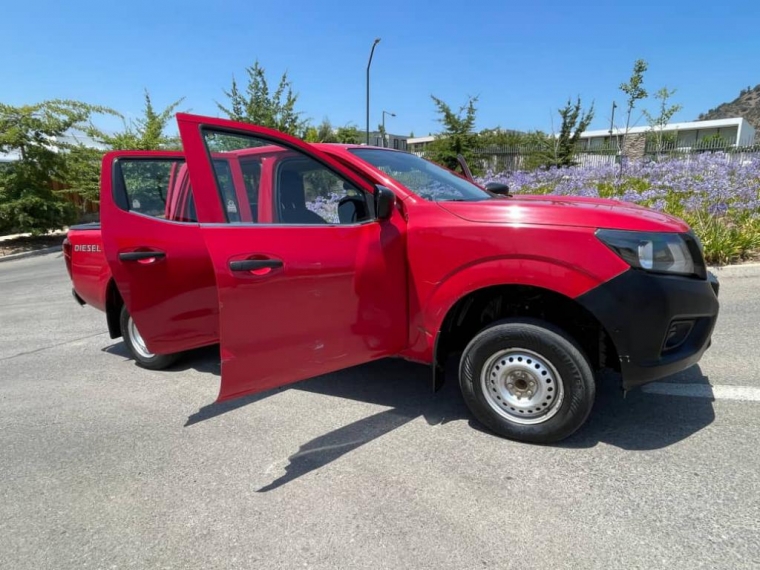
{"x": 736, "y": 132}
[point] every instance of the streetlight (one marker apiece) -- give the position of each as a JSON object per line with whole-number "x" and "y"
{"x": 371, "y": 53}
{"x": 386, "y": 113}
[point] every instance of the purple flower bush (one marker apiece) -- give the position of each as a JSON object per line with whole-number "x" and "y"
{"x": 717, "y": 194}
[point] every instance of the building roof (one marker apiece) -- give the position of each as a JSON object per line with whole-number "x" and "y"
{"x": 418, "y": 140}
{"x": 690, "y": 125}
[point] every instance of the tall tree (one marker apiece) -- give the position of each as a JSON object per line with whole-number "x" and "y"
{"x": 257, "y": 105}
{"x": 147, "y": 132}
{"x": 40, "y": 137}
{"x": 458, "y": 135}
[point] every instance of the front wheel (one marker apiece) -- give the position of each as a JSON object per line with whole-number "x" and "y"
{"x": 527, "y": 380}
{"x": 137, "y": 347}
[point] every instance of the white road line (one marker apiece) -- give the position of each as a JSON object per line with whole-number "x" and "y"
{"x": 744, "y": 393}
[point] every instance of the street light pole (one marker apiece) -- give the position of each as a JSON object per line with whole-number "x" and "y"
{"x": 386, "y": 113}
{"x": 371, "y": 53}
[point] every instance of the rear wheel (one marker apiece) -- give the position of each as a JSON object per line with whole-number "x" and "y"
{"x": 527, "y": 380}
{"x": 137, "y": 347}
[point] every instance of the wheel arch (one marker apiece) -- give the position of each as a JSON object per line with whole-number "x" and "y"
{"x": 543, "y": 289}
{"x": 114, "y": 303}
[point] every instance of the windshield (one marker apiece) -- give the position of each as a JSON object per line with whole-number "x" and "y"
{"x": 427, "y": 180}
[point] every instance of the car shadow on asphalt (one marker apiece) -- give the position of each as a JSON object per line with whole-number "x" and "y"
{"x": 638, "y": 421}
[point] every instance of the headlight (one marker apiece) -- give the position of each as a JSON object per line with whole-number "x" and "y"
{"x": 656, "y": 252}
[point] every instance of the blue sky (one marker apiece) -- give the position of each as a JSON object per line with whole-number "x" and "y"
{"x": 523, "y": 59}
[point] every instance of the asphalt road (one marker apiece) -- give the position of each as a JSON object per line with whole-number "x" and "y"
{"x": 106, "y": 465}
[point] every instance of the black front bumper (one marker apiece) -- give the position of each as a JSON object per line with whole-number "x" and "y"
{"x": 659, "y": 324}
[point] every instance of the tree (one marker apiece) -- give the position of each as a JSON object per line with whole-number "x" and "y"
{"x": 349, "y": 134}
{"x": 258, "y": 106}
{"x": 382, "y": 131}
{"x": 458, "y": 135}
{"x": 311, "y": 135}
{"x": 145, "y": 133}
{"x": 39, "y": 135}
{"x": 325, "y": 132}
{"x": 559, "y": 149}
{"x": 658, "y": 123}
{"x": 500, "y": 137}
{"x": 634, "y": 90}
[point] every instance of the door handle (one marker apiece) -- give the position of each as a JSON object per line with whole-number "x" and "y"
{"x": 255, "y": 264}
{"x": 143, "y": 256}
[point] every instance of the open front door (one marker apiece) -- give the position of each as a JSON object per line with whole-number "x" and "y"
{"x": 308, "y": 280}
{"x": 155, "y": 249}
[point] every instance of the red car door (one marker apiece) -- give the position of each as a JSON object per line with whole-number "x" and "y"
{"x": 319, "y": 284}
{"x": 156, "y": 251}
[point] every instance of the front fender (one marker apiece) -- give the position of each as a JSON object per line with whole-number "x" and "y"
{"x": 552, "y": 274}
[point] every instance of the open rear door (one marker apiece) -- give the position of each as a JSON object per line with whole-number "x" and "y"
{"x": 308, "y": 280}
{"x": 156, "y": 251}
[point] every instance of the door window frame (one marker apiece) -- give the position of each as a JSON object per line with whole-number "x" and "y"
{"x": 274, "y": 195}
{"x": 120, "y": 195}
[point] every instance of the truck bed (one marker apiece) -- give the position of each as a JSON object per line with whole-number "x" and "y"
{"x": 87, "y": 264}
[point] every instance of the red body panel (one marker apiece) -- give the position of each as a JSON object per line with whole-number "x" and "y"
{"x": 344, "y": 294}
{"x": 171, "y": 299}
{"x": 89, "y": 269}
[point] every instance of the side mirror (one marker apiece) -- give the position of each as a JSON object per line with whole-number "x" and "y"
{"x": 498, "y": 188}
{"x": 384, "y": 202}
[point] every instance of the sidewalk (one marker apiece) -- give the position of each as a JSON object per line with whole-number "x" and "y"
{"x": 17, "y": 246}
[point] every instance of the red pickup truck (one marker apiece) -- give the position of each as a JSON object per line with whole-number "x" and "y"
{"x": 300, "y": 259}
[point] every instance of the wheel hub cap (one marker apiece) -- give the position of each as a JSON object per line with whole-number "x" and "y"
{"x": 137, "y": 340}
{"x": 522, "y": 386}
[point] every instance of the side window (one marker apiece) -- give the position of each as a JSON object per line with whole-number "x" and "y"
{"x": 251, "y": 170}
{"x": 154, "y": 187}
{"x": 227, "y": 189}
{"x": 300, "y": 189}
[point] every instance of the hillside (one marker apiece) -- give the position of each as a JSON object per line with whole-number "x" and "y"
{"x": 746, "y": 105}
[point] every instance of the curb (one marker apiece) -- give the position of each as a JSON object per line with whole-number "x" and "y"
{"x": 33, "y": 253}
{"x": 739, "y": 271}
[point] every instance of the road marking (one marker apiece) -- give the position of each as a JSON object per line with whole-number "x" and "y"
{"x": 744, "y": 393}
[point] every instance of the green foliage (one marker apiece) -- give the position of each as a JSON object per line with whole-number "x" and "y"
{"x": 349, "y": 134}
{"x": 458, "y": 135}
{"x": 657, "y": 123}
{"x": 146, "y": 133}
{"x": 725, "y": 240}
{"x": 500, "y": 137}
{"x": 383, "y": 132}
{"x": 311, "y": 135}
{"x": 28, "y": 201}
{"x": 259, "y": 106}
{"x": 712, "y": 142}
{"x": 559, "y": 150}
{"x": 325, "y": 132}
{"x": 634, "y": 89}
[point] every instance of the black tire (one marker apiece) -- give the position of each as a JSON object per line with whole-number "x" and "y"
{"x": 143, "y": 359}
{"x": 554, "y": 353}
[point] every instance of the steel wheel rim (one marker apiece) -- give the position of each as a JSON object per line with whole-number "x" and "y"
{"x": 137, "y": 340}
{"x": 522, "y": 386}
